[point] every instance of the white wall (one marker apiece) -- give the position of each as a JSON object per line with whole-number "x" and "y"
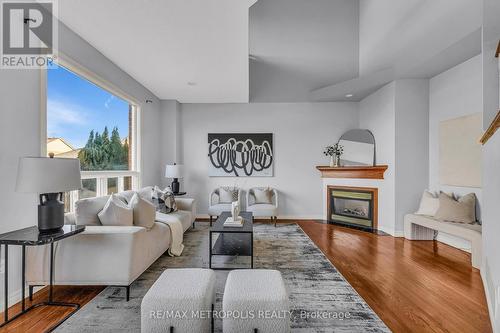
{"x": 20, "y": 134}
{"x": 491, "y": 225}
{"x": 491, "y": 84}
{"x": 452, "y": 94}
{"x": 377, "y": 114}
{"x": 412, "y": 146}
{"x": 491, "y": 162}
{"x": 397, "y": 115}
{"x": 301, "y": 130}
{"x": 170, "y": 142}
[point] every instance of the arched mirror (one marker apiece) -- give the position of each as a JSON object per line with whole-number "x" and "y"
{"x": 359, "y": 148}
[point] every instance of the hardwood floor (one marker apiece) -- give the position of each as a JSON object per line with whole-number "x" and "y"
{"x": 418, "y": 286}
{"x": 43, "y": 318}
{"x": 414, "y": 286}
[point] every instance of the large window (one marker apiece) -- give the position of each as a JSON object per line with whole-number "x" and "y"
{"x": 92, "y": 124}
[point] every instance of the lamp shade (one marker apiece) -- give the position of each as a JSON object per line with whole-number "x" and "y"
{"x": 48, "y": 175}
{"x": 174, "y": 171}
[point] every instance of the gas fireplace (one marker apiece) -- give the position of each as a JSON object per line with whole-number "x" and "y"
{"x": 353, "y": 206}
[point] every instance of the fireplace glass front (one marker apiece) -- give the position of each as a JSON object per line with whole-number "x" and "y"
{"x": 352, "y": 207}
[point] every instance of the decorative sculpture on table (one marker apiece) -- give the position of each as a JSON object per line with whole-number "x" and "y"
{"x": 235, "y": 220}
{"x": 235, "y": 211}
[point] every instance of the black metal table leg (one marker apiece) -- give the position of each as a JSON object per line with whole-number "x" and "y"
{"x": 23, "y": 279}
{"x": 6, "y": 284}
{"x": 50, "y": 301}
{"x": 210, "y": 249}
{"x": 51, "y": 281}
{"x": 251, "y": 250}
{"x": 212, "y": 319}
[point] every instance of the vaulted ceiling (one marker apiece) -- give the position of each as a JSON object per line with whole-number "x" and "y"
{"x": 301, "y": 45}
{"x": 236, "y": 51}
{"x": 189, "y": 50}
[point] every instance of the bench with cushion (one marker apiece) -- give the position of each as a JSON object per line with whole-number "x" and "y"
{"x": 419, "y": 227}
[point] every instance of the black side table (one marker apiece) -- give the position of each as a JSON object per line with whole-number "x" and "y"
{"x": 32, "y": 237}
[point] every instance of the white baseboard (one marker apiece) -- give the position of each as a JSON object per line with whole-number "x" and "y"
{"x": 391, "y": 231}
{"x": 399, "y": 233}
{"x": 489, "y": 290}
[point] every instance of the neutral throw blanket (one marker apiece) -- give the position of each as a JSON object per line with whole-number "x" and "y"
{"x": 176, "y": 233}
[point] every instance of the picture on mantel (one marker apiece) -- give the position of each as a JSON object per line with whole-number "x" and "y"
{"x": 240, "y": 155}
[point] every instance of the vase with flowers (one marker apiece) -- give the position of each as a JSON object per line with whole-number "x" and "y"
{"x": 334, "y": 152}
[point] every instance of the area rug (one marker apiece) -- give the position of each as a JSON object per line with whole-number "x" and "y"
{"x": 321, "y": 299}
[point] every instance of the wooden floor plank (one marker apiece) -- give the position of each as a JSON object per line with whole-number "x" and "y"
{"x": 414, "y": 286}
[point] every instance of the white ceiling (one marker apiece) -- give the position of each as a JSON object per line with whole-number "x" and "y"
{"x": 395, "y": 33}
{"x": 194, "y": 51}
{"x": 301, "y": 45}
{"x": 409, "y": 39}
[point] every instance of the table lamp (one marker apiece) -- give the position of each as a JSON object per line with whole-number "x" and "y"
{"x": 174, "y": 171}
{"x": 49, "y": 178}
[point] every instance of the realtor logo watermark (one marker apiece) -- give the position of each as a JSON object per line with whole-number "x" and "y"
{"x": 29, "y": 34}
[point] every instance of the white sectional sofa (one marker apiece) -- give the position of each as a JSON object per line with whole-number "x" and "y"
{"x": 106, "y": 255}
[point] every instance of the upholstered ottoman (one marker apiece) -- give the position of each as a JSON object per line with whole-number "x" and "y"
{"x": 255, "y": 299}
{"x": 180, "y": 301}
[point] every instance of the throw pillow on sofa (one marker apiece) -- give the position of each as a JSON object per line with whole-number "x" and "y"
{"x": 116, "y": 213}
{"x": 263, "y": 195}
{"x": 429, "y": 204}
{"x": 228, "y": 194}
{"x": 462, "y": 210}
{"x": 145, "y": 193}
{"x": 166, "y": 199}
{"x": 86, "y": 210}
{"x": 144, "y": 212}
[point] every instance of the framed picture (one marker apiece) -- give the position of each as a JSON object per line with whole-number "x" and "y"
{"x": 240, "y": 154}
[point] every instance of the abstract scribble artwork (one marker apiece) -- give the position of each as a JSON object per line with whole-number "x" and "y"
{"x": 240, "y": 154}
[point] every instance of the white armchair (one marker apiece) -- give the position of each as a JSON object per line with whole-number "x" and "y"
{"x": 215, "y": 207}
{"x": 263, "y": 209}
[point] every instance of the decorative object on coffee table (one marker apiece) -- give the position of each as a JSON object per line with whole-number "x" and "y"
{"x": 334, "y": 151}
{"x": 32, "y": 236}
{"x": 231, "y": 241}
{"x": 235, "y": 220}
{"x": 50, "y": 178}
{"x": 175, "y": 171}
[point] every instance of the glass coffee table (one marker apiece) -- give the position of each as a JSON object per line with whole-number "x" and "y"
{"x": 231, "y": 241}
